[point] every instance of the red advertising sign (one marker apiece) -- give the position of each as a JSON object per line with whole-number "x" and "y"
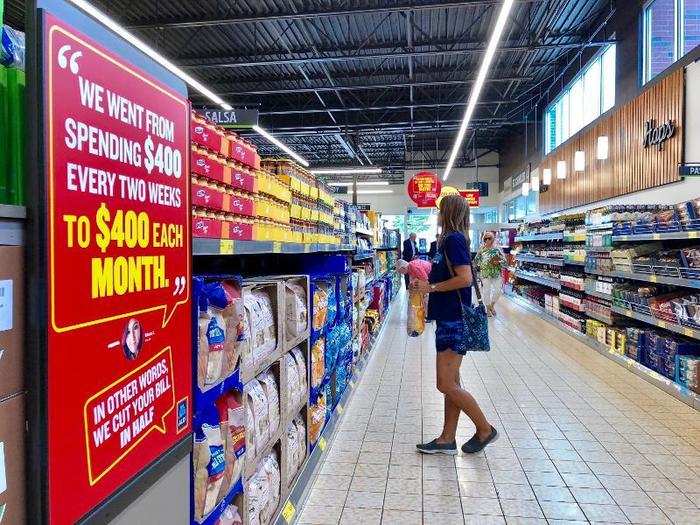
{"x": 423, "y": 188}
{"x": 472, "y": 197}
{"x": 118, "y": 258}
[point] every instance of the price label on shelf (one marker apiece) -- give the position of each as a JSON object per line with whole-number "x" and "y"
{"x": 652, "y": 278}
{"x": 226, "y": 247}
{"x": 689, "y": 332}
{"x": 340, "y": 409}
{"x": 661, "y": 324}
{"x": 276, "y": 247}
{"x": 692, "y": 235}
{"x": 322, "y": 444}
{"x": 656, "y": 237}
{"x": 307, "y": 248}
{"x": 288, "y": 511}
{"x": 628, "y": 313}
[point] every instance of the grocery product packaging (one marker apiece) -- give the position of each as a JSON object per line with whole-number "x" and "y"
{"x": 415, "y": 319}
{"x": 232, "y": 416}
{"x": 11, "y": 319}
{"x": 12, "y": 482}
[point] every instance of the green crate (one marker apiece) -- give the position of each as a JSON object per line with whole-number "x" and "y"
{"x": 4, "y": 137}
{"x": 16, "y": 132}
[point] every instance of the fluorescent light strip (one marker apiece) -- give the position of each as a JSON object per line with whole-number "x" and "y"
{"x": 301, "y": 160}
{"x": 345, "y": 171}
{"x": 148, "y": 50}
{"x": 479, "y": 83}
{"x": 367, "y": 183}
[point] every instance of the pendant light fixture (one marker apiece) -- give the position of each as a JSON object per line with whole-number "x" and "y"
{"x": 525, "y": 188}
{"x": 547, "y": 176}
{"x": 535, "y": 183}
{"x": 602, "y": 148}
{"x": 579, "y": 161}
{"x": 561, "y": 169}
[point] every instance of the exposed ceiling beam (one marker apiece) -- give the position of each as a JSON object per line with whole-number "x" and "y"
{"x": 383, "y": 108}
{"x": 170, "y": 23}
{"x": 236, "y": 62}
{"x": 369, "y": 86}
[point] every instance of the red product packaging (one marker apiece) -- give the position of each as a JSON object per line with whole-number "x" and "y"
{"x": 242, "y": 206}
{"x": 208, "y": 137}
{"x": 206, "y": 167}
{"x": 239, "y": 231}
{"x": 210, "y": 198}
{"x": 206, "y": 227}
{"x": 242, "y": 180}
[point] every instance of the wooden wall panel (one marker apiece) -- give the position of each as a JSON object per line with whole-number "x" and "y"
{"x": 629, "y": 167}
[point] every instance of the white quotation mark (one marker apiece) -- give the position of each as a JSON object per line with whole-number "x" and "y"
{"x": 180, "y": 284}
{"x": 73, "y": 61}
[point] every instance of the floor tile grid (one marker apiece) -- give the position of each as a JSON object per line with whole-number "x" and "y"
{"x": 580, "y": 502}
{"x": 539, "y": 404}
{"x": 613, "y": 491}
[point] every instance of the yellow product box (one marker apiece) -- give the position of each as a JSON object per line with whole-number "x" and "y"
{"x": 283, "y": 193}
{"x": 313, "y": 192}
{"x": 304, "y": 188}
{"x": 305, "y": 213}
{"x": 295, "y": 211}
{"x": 314, "y": 216}
{"x": 297, "y": 236}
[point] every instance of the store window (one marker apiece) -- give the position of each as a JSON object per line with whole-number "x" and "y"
{"x": 671, "y": 29}
{"x": 588, "y": 95}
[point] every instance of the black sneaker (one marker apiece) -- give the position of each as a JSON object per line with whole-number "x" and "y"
{"x": 474, "y": 445}
{"x": 438, "y": 448}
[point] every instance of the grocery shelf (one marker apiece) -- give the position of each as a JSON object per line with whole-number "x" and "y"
{"x": 600, "y": 295}
{"x": 575, "y": 237}
{"x": 599, "y": 317}
{"x": 552, "y": 283}
{"x": 575, "y": 263}
{"x": 687, "y": 283}
{"x": 670, "y": 387}
{"x": 362, "y": 231}
{"x": 667, "y": 236}
{"x": 596, "y": 227}
{"x": 599, "y": 249}
{"x": 201, "y": 246}
{"x": 673, "y": 327}
{"x": 540, "y": 237}
{"x": 359, "y": 256}
{"x": 8, "y": 211}
{"x": 12, "y": 225}
{"x": 539, "y": 260}
{"x": 300, "y": 488}
{"x": 386, "y": 248}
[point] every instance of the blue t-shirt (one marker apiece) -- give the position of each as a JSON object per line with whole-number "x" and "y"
{"x": 444, "y": 306}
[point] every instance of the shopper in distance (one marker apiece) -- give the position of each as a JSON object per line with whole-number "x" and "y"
{"x": 489, "y": 262}
{"x": 460, "y": 327}
{"x": 410, "y": 251}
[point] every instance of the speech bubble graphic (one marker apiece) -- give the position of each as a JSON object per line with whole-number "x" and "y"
{"x": 92, "y": 283}
{"x": 120, "y": 416}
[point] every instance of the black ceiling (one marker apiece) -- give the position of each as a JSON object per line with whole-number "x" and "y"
{"x": 369, "y": 81}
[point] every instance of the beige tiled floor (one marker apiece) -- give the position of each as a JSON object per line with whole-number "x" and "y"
{"x": 582, "y": 439}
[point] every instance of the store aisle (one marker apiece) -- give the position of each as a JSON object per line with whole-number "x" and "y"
{"x": 582, "y": 439}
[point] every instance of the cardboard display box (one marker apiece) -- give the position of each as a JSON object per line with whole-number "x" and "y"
{"x": 11, "y": 320}
{"x": 12, "y": 437}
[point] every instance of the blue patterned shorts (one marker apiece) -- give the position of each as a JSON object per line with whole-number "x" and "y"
{"x": 449, "y": 335}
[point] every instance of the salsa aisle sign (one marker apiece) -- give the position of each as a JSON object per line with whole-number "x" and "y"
{"x": 119, "y": 366}
{"x": 424, "y": 188}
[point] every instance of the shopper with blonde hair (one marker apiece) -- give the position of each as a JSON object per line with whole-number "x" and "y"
{"x": 489, "y": 262}
{"x": 460, "y": 327}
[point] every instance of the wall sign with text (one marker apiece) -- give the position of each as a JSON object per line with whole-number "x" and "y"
{"x": 116, "y": 168}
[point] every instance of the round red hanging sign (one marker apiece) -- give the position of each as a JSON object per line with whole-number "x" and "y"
{"x": 423, "y": 188}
